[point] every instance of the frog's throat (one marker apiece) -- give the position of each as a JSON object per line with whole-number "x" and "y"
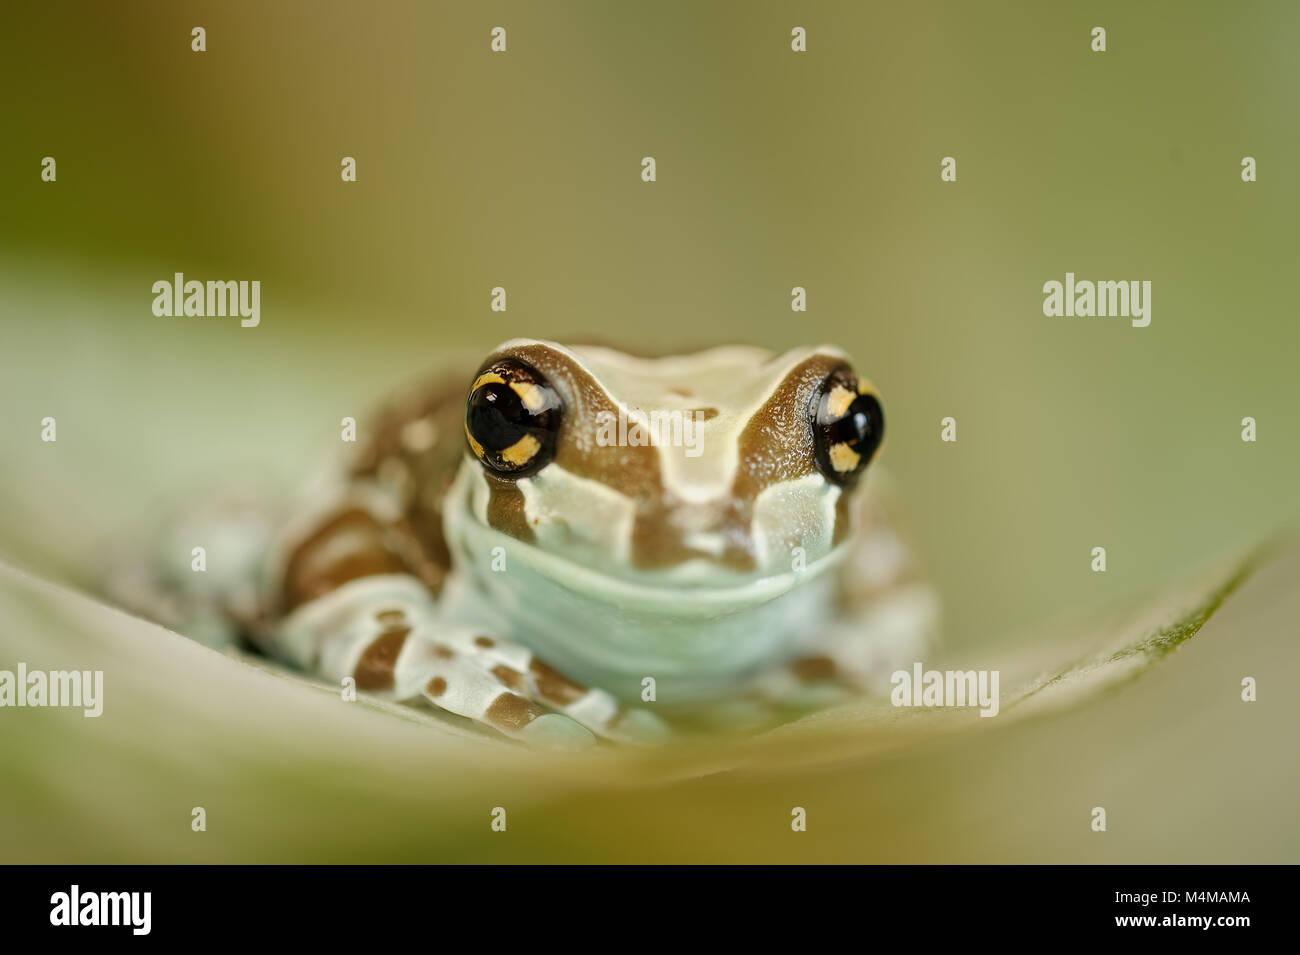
{"x": 614, "y": 632}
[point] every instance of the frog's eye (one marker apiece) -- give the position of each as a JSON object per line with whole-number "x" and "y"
{"x": 847, "y": 424}
{"x": 511, "y": 418}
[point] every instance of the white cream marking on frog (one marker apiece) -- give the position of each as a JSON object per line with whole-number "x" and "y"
{"x": 564, "y": 509}
{"x": 801, "y": 512}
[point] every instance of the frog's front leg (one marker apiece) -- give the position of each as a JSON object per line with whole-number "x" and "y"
{"x": 380, "y": 625}
{"x": 886, "y": 618}
{"x": 857, "y": 652}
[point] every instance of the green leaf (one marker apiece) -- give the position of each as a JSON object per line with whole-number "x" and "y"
{"x": 286, "y": 770}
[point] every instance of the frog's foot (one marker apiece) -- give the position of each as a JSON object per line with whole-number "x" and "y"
{"x": 384, "y": 632}
{"x": 857, "y": 655}
{"x": 199, "y": 576}
{"x": 516, "y": 668}
{"x": 459, "y": 684}
{"x": 503, "y": 685}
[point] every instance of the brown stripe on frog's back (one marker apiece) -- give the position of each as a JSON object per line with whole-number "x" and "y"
{"x": 348, "y": 545}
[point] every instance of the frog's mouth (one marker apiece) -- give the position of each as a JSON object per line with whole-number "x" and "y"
{"x": 703, "y": 582}
{"x": 673, "y": 595}
{"x": 584, "y": 536}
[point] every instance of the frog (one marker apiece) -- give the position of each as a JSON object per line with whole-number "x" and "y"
{"x": 578, "y": 544}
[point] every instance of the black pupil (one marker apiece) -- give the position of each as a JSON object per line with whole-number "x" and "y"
{"x": 861, "y": 426}
{"x": 497, "y": 416}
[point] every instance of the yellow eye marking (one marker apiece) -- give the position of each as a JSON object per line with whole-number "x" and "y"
{"x": 843, "y": 458}
{"x": 522, "y": 451}
{"x": 867, "y": 388}
{"x": 838, "y": 401}
{"x": 487, "y": 378}
{"x": 478, "y": 448}
{"x": 534, "y": 398}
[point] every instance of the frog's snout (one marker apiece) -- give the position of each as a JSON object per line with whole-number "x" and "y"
{"x": 719, "y": 532}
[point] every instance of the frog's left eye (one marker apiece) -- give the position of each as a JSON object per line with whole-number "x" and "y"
{"x": 512, "y": 416}
{"x": 848, "y": 425}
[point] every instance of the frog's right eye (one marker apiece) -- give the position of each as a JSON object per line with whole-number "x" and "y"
{"x": 512, "y": 416}
{"x": 848, "y": 426}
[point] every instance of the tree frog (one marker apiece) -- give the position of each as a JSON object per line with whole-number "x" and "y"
{"x": 574, "y": 543}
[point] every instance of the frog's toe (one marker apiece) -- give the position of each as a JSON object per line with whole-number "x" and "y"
{"x": 467, "y": 691}
{"x": 556, "y": 731}
{"x": 743, "y": 715}
{"x": 639, "y": 726}
{"x": 597, "y": 710}
{"x": 605, "y": 716}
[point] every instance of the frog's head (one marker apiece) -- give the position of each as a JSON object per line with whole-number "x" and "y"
{"x": 650, "y": 493}
{"x": 705, "y": 470}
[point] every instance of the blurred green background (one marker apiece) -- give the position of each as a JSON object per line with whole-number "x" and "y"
{"x": 775, "y": 169}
